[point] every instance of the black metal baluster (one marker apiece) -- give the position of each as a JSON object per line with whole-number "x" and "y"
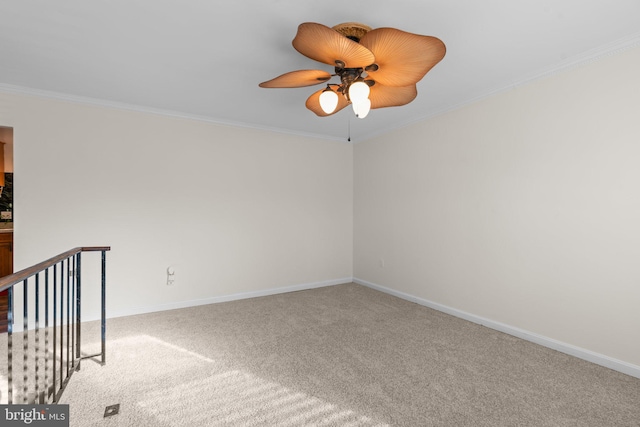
{"x": 25, "y": 341}
{"x": 61, "y": 328}
{"x": 37, "y": 359}
{"x": 68, "y": 310}
{"x": 46, "y": 335}
{"x": 104, "y": 311}
{"x": 72, "y": 278}
{"x": 78, "y": 306}
{"x": 55, "y": 325}
{"x": 10, "y": 346}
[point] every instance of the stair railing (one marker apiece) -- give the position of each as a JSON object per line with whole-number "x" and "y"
{"x": 48, "y": 340}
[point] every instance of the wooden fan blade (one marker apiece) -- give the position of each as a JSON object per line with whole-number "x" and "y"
{"x": 313, "y": 104}
{"x": 391, "y": 96}
{"x": 324, "y": 44}
{"x": 298, "y": 78}
{"x": 402, "y": 58}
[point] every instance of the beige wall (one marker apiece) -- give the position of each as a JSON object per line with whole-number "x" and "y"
{"x": 237, "y": 212}
{"x": 523, "y": 208}
{"x": 520, "y": 210}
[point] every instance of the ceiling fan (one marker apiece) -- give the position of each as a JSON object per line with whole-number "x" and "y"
{"x": 377, "y": 68}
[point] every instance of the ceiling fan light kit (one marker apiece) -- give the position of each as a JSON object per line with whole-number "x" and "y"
{"x": 377, "y": 68}
{"x": 328, "y": 100}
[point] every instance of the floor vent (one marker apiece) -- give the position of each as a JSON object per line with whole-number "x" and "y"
{"x": 111, "y": 410}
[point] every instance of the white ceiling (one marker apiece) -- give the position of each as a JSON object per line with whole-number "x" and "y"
{"x": 204, "y": 59}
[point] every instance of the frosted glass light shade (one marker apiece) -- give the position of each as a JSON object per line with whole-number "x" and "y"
{"x": 362, "y": 108}
{"x": 328, "y": 101}
{"x": 358, "y": 91}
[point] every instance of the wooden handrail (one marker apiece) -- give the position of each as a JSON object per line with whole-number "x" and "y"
{"x": 7, "y": 281}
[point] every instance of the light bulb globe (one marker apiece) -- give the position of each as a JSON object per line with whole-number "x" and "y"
{"x": 328, "y": 101}
{"x": 358, "y": 91}
{"x": 361, "y": 109}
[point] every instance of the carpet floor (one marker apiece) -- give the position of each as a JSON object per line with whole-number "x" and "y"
{"x": 343, "y": 355}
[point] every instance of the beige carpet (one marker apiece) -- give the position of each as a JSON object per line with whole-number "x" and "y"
{"x": 344, "y": 355}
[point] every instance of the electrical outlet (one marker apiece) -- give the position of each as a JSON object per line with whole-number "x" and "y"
{"x": 381, "y": 262}
{"x": 171, "y": 276}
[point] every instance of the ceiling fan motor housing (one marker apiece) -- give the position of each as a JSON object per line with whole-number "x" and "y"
{"x": 352, "y": 30}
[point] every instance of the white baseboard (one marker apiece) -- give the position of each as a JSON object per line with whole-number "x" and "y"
{"x": 224, "y": 298}
{"x": 581, "y": 353}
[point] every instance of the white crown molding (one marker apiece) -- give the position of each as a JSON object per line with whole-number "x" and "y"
{"x": 39, "y": 93}
{"x": 593, "y": 55}
{"x": 584, "y": 58}
{"x": 581, "y": 353}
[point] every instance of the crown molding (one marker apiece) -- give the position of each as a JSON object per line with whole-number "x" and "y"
{"x": 96, "y": 102}
{"x": 614, "y": 48}
{"x": 593, "y": 55}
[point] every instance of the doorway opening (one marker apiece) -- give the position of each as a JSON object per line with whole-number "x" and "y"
{"x": 6, "y": 216}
